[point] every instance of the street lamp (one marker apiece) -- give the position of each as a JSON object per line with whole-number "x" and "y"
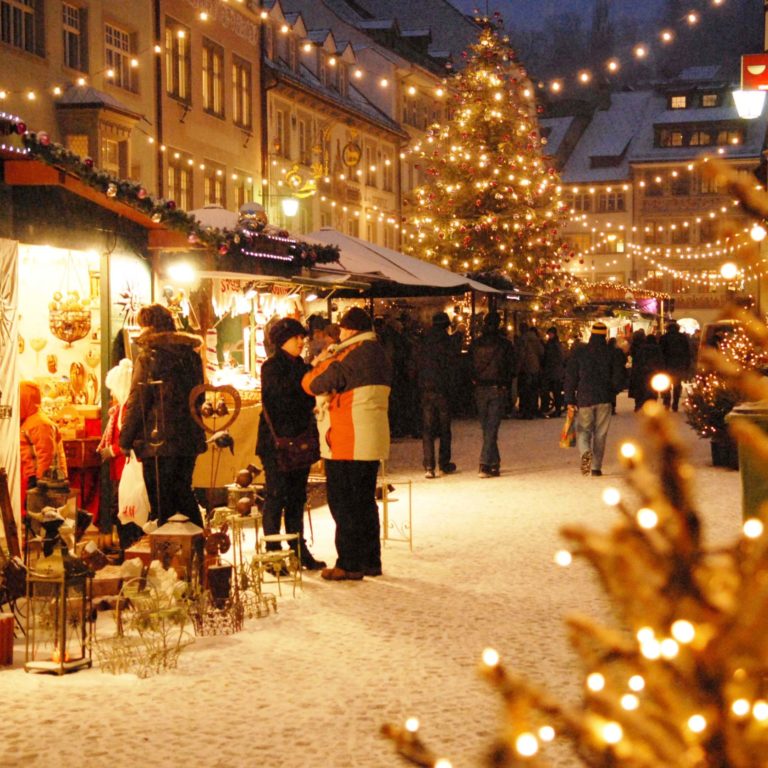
{"x": 750, "y": 98}
{"x": 290, "y": 206}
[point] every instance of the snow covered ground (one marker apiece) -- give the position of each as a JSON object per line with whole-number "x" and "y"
{"x": 311, "y": 685}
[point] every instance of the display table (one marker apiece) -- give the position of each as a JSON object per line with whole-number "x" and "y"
{"x": 217, "y": 467}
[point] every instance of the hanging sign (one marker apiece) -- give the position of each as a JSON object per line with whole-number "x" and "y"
{"x": 754, "y": 72}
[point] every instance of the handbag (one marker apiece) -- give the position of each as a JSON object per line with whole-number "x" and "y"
{"x": 132, "y": 497}
{"x": 295, "y": 452}
{"x": 568, "y": 433}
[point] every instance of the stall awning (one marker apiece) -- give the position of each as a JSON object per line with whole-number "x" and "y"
{"x": 391, "y": 272}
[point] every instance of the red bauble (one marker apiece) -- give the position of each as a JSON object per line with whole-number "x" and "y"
{"x": 43, "y": 138}
{"x": 223, "y": 250}
{"x": 88, "y": 162}
{"x": 171, "y": 205}
{"x": 141, "y": 193}
{"x": 20, "y": 128}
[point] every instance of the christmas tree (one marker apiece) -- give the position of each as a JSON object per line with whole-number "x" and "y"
{"x": 492, "y": 199}
{"x": 681, "y": 679}
{"x": 711, "y": 396}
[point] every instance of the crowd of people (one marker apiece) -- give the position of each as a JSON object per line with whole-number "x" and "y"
{"x": 348, "y": 387}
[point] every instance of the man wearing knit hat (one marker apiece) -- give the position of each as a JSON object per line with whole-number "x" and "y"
{"x": 353, "y": 384}
{"x": 593, "y": 376}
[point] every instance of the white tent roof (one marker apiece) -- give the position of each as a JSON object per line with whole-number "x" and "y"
{"x": 372, "y": 262}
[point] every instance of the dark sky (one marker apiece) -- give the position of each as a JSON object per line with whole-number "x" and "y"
{"x": 529, "y": 13}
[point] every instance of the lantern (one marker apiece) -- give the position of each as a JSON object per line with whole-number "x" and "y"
{"x": 179, "y": 543}
{"x": 58, "y": 612}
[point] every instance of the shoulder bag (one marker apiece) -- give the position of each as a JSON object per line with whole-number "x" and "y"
{"x": 294, "y": 452}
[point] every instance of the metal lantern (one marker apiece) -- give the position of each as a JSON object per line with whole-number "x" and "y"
{"x": 58, "y": 612}
{"x": 179, "y": 543}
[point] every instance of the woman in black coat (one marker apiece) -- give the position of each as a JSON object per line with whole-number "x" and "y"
{"x": 157, "y": 422}
{"x": 291, "y": 412}
{"x": 648, "y": 361}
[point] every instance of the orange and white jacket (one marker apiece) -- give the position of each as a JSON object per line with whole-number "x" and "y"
{"x": 352, "y": 387}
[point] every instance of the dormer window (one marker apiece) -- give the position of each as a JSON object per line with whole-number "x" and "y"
{"x": 679, "y": 101}
{"x": 710, "y": 100}
{"x": 269, "y": 42}
{"x": 292, "y": 54}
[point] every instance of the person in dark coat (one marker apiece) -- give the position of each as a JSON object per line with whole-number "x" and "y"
{"x": 493, "y": 366}
{"x": 530, "y": 353}
{"x": 592, "y": 378}
{"x": 676, "y": 351}
{"x": 291, "y": 411}
{"x": 157, "y": 421}
{"x": 647, "y": 362}
{"x": 552, "y": 374}
{"x": 436, "y": 374}
{"x": 613, "y": 343}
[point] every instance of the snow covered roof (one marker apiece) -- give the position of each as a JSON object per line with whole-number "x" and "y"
{"x": 88, "y": 96}
{"x": 602, "y": 152}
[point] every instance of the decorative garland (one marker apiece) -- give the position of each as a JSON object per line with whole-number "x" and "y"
{"x": 245, "y": 243}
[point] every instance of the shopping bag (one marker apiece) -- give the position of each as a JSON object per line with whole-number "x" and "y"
{"x": 568, "y": 433}
{"x": 132, "y": 498}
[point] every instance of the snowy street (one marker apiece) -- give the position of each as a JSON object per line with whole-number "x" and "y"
{"x": 311, "y": 686}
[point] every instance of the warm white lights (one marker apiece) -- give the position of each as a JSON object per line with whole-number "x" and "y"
{"x": 630, "y": 702}
{"x": 595, "y": 682}
{"x": 546, "y": 733}
{"x": 636, "y": 683}
{"x": 753, "y": 528}
{"x": 757, "y": 233}
{"x": 612, "y": 733}
{"x": 563, "y": 558}
{"x": 697, "y": 723}
{"x": 660, "y": 382}
{"x": 412, "y": 724}
{"x": 683, "y": 631}
{"x": 527, "y": 744}
{"x": 611, "y": 496}
{"x": 740, "y": 707}
{"x": 749, "y": 104}
{"x": 290, "y": 206}
{"x": 647, "y": 518}
{"x": 182, "y": 272}
{"x": 729, "y": 270}
{"x": 490, "y": 657}
{"x": 628, "y": 450}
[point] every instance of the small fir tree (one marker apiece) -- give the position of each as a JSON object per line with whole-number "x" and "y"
{"x": 711, "y": 396}
{"x": 491, "y": 200}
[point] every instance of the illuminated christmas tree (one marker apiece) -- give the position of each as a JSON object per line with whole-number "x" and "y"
{"x": 711, "y": 396}
{"x": 492, "y": 199}
{"x": 680, "y": 680}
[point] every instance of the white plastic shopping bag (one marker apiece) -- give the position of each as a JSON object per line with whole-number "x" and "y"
{"x": 132, "y": 498}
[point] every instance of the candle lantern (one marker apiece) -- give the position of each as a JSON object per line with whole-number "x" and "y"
{"x": 179, "y": 543}
{"x": 58, "y": 613}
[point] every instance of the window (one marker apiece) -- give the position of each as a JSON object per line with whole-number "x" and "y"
{"x": 214, "y": 185}
{"x": 213, "y": 78}
{"x": 708, "y": 231}
{"x": 388, "y": 181}
{"x": 282, "y": 133}
{"x": 177, "y": 60}
{"x": 370, "y": 231}
{"x": 353, "y": 227}
{"x": 114, "y": 156}
{"x": 654, "y": 185}
{"x": 179, "y": 179}
{"x": 730, "y": 136}
{"x": 708, "y": 185}
{"x": 269, "y": 42}
{"x": 77, "y": 143}
{"x": 709, "y": 100}
{"x": 322, "y": 68}
{"x": 670, "y": 137}
{"x": 700, "y": 139}
{"x": 678, "y": 102}
{"x": 333, "y": 74}
{"x": 117, "y": 47}
{"x": 680, "y": 185}
{"x": 652, "y": 233}
{"x": 73, "y": 31}
{"x": 371, "y": 177}
{"x": 679, "y": 234}
{"x": 242, "y": 103}
{"x": 243, "y": 188}
{"x": 389, "y": 237}
{"x": 293, "y": 59}
{"x": 21, "y": 25}
{"x": 305, "y": 141}
{"x": 610, "y": 202}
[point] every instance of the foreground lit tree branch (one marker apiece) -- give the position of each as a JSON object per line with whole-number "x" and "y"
{"x": 681, "y": 679}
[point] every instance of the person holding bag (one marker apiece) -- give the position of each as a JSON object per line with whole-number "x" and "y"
{"x": 287, "y": 441}
{"x": 157, "y": 423}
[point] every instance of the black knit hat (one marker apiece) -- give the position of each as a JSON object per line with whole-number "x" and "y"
{"x": 356, "y": 319}
{"x": 284, "y": 329}
{"x": 441, "y": 320}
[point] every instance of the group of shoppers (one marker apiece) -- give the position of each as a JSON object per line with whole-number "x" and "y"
{"x": 339, "y": 387}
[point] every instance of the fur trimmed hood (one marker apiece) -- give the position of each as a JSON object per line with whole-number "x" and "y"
{"x": 168, "y": 339}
